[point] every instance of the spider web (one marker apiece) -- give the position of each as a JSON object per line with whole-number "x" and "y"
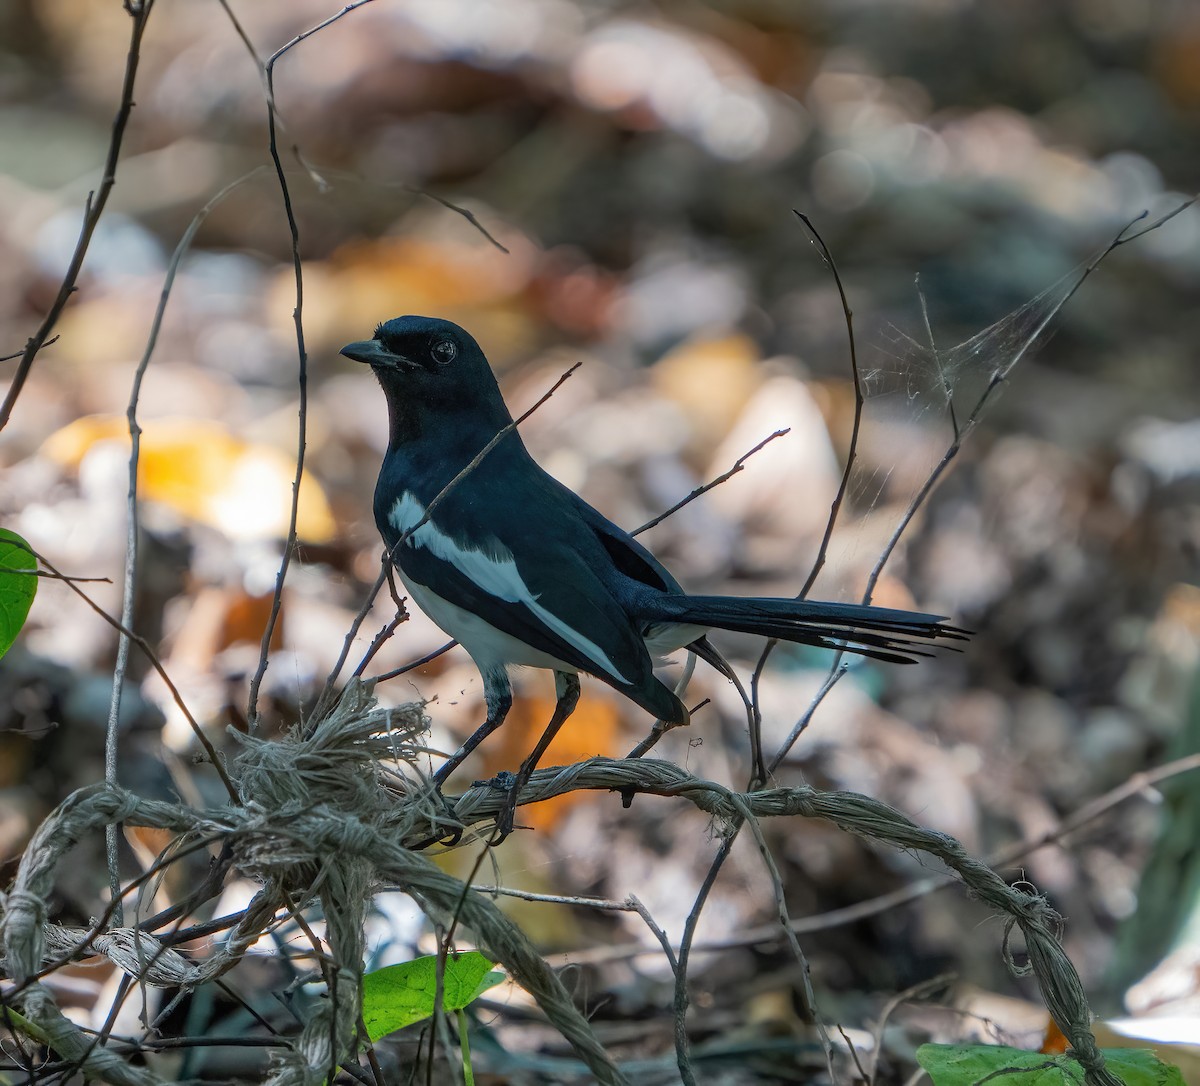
{"x": 922, "y": 399}
{"x": 932, "y": 377}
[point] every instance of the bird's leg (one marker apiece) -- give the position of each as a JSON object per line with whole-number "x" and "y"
{"x": 707, "y": 652}
{"x": 566, "y": 686}
{"x": 497, "y": 692}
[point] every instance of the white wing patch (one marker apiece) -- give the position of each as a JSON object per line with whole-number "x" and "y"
{"x": 495, "y": 571}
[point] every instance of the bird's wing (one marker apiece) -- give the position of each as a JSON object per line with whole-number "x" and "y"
{"x": 628, "y": 556}
{"x": 536, "y": 576}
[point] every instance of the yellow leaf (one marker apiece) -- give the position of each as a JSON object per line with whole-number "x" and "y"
{"x": 205, "y": 473}
{"x": 711, "y": 379}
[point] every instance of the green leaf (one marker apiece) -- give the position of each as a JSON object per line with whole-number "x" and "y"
{"x": 17, "y": 589}
{"x": 18, "y": 1022}
{"x": 965, "y": 1065}
{"x": 399, "y": 995}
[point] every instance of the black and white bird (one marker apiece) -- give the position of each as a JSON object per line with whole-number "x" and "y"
{"x": 522, "y": 571}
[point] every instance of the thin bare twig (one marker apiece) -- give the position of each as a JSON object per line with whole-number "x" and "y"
{"x": 576, "y": 901}
{"x": 156, "y": 663}
{"x": 836, "y": 671}
{"x": 680, "y": 1001}
{"x": 325, "y": 699}
{"x": 414, "y": 664}
{"x": 916, "y": 991}
{"x": 379, "y": 640}
{"x": 93, "y": 209}
{"x": 809, "y": 998}
{"x": 947, "y": 388}
{"x": 838, "y": 500}
{"x": 660, "y": 728}
{"x": 739, "y": 464}
{"x": 289, "y": 542}
{"x": 18, "y": 354}
{"x": 47, "y": 574}
{"x": 458, "y": 209}
{"x": 112, "y": 832}
{"x": 478, "y": 458}
{"x": 859, "y": 400}
{"x": 853, "y": 1053}
{"x": 663, "y": 941}
{"x": 302, "y": 352}
{"x": 999, "y": 376}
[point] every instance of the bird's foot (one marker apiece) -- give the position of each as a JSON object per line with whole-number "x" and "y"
{"x": 511, "y": 784}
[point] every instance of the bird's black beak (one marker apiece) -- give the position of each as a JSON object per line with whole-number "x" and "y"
{"x": 373, "y": 353}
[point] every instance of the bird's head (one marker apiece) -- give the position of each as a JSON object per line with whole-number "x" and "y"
{"x": 426, "y": 364}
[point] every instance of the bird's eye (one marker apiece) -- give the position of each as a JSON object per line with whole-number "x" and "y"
{"x": 444, "y": 351}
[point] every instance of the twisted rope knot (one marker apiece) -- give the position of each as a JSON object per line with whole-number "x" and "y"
{"x": 21, "y": 929}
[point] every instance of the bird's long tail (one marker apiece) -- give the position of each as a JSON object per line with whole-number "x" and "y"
{"x": 882, "y": 633}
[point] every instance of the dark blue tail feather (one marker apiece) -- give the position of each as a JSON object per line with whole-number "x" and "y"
{"x": 882, "y": 633}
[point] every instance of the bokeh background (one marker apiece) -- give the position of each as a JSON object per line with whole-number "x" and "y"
{"x": 615, "y": 184}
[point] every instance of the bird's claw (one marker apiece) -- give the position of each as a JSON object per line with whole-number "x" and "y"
{"x": 451, "y": 835}
{"x": 510, "y": 784}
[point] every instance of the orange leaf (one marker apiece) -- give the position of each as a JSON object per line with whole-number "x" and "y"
{"x": 148, "y": 842}
{"x": 1054, "y": 1043}
{"x": 591, "y": 730}
{"x": 219, "y": 617}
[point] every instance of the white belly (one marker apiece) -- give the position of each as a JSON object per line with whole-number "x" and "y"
{"x": 670, "y": 637}
{"x": 491, "y": 649}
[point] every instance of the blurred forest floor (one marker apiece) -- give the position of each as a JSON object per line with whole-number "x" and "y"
{"x": 640, "y": 165}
